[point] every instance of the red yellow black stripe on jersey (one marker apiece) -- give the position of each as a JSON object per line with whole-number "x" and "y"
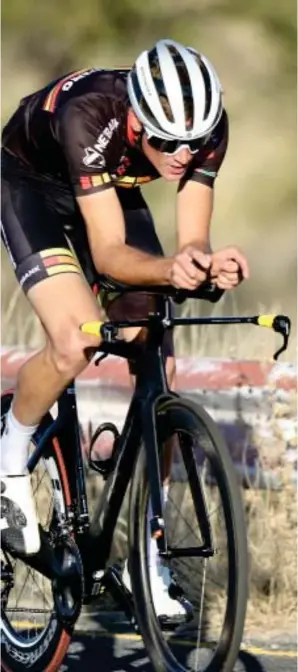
{"x": 59, "y": 260}
{"x": 51, "y": 99}
{"x": 44, "y": 264}
{"x": 129, "y": 182}
{"x": 88, "y": 182}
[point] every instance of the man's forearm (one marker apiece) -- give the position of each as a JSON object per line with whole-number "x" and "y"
{"x": 133, "y": 266}
{"x": 194, "y": 212}
{"x": 203, "y": 245}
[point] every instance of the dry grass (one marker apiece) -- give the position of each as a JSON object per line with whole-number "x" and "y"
{"x": 233, "y": 341}
{"x": 272, "y": 527}
{"x": 272, "y": 532}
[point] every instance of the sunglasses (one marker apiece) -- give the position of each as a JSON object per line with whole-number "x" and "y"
{"x": 173, "y": 146}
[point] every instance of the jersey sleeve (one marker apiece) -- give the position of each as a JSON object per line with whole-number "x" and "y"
{"x": 88, "y": 133}
{"x": 206, "y": 164}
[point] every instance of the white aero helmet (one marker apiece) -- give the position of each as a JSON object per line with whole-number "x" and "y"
{"x": 175, "y": 92}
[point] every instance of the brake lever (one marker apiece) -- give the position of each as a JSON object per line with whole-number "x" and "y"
{"x": 107, "y": 330}
{"x": 282, "y": 325}
{"x": 279, "y": 323}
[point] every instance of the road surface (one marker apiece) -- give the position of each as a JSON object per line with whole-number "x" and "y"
{"x": 114, "y": 648}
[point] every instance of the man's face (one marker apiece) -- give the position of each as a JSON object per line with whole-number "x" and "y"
{"x": 170, "y": 166}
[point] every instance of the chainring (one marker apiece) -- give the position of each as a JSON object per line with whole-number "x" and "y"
{"x": 68, "y": 584}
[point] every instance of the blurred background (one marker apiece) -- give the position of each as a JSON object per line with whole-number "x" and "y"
{"x": 253, "y": 46}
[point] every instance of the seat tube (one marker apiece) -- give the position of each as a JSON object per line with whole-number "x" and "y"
{"x": 69, "y": 433}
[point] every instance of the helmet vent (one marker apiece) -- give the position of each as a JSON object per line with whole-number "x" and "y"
{"x": 207, "y": 82}
{"x": 141, "y": 99}
{"x": 185, "y": 86}
{"x": 159, "y": 83}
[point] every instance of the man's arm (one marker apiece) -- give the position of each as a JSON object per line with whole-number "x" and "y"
{"x": 194, "y": 212}
{"x": 106, "y": 234}
{"x": 78, "y": 128}
{"x": 195, "y": 194}
{"x": 105, "y": 225}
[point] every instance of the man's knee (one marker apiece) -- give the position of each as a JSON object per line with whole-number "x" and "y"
{"x": 70, "y": 350}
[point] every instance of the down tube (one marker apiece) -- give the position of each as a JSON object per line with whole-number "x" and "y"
{"x": 107, "y": 511}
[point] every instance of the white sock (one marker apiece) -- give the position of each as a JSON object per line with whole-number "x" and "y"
{"x": 153, "y": 557}
{"x": 15, "y": 444}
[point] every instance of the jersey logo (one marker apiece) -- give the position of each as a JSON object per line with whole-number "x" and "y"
{"x": 64, "y": 84}
{"x": 94, "y": 155}
{"x": 93, "y": 158}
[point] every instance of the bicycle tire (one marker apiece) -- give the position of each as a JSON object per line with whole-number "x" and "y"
{"x": 187, "y": 416}
{"x": 47, "y": 652}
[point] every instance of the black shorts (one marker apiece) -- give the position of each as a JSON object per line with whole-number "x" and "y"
{"x": 41, "y": 223}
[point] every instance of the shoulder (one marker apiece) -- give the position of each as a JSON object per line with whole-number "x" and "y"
{"x": 94, "y": 112}
{"x": 91, "y": 93}
{"x": 207, "y": 162}
{"x": 220, "y": 134}
{"x": 217, "y": 145}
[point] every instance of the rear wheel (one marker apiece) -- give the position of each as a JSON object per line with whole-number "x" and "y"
{"x": 203, "y": 493}
{"x": 32, "y": 635}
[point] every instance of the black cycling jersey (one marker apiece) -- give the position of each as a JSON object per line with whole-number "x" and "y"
{"x": 75, "y": 133}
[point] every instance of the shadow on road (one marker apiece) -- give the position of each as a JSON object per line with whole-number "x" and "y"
{"x": 110, "y": 653}
{"x": 250, "y": 663}
{"x": 105, "y": 654}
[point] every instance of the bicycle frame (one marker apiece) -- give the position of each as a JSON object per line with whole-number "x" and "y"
{"x": 97, "y": 534}
{"x": 94, "y": 538}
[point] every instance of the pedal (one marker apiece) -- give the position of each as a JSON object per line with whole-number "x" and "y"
{"x": 103, "y": 467}
{"x": 172, "y": 622}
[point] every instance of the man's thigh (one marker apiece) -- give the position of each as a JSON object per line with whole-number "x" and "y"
{"x": 45, "y": 266}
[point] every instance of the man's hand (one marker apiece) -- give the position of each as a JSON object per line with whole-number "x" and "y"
{"x": 228, "y": 268}
{"x": 190, "y": 268}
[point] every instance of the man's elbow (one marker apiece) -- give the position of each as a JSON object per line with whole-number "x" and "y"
{"x": 104, "y": 258}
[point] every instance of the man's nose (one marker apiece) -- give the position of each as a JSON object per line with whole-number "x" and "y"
{"x": 184, "y": 155}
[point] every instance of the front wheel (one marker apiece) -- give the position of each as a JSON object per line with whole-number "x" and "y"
{"x": 203, "y": 509}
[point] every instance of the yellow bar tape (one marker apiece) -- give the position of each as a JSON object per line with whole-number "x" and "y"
{"x": 91, "y": 328}
{"x": 266, "y": 320}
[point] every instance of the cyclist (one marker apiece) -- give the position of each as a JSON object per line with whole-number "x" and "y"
{"x": 75, "y": 155}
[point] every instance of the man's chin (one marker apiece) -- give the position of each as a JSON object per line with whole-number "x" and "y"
{"x": 173, "y": 177}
